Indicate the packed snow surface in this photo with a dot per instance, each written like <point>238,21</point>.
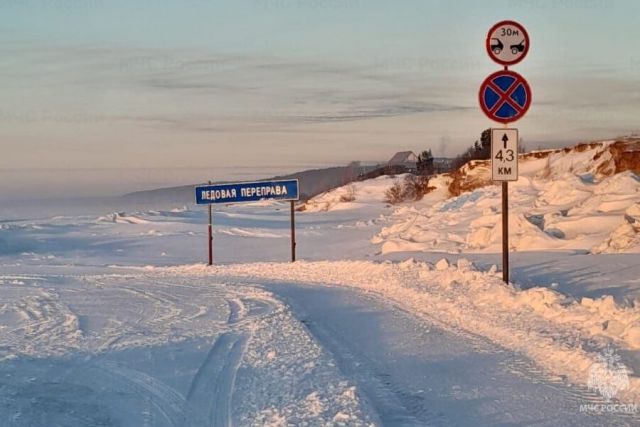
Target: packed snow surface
<point>141,350</point>
<point>550,328</point>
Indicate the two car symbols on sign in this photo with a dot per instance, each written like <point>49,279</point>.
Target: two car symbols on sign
<point>497,46</point>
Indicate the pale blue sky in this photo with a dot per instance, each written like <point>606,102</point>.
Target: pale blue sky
<point>187,85</point>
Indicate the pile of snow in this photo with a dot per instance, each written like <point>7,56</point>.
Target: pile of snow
<point>563,200</point>
<point>244,232</point>
<point>626,237</point>
<point>570,199</point>
<point>351,196</point>
<point>122,218</point>
<point>588,161</point>
<point>561,334</point>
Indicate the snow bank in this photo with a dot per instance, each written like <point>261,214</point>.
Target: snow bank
<point>243,232</point>
<point>568,212</point>
<point>626,236</point>
<point>568,199</point>
<point>373,192</point>
<point>351,196</point>
<point>122,218</point>
<point>562,335</point>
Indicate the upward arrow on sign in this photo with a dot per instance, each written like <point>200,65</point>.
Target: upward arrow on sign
<point>505,139</point>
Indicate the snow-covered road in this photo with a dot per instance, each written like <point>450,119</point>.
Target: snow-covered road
<point>145,351</point>
<point>179,350</point>
<point>414,373</point>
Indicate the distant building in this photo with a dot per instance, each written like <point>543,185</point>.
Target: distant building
<point>406,159</point>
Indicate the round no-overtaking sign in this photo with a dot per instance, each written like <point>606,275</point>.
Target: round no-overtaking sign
<point>507,42</point>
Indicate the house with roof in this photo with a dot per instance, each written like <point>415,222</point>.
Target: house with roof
<point>404,159</point>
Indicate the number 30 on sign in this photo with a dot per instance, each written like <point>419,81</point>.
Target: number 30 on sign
<point>504,154</point>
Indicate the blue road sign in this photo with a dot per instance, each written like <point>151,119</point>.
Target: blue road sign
<point>505,96</point>
<point>247,192</point>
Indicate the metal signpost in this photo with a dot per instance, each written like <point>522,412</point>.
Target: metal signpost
<point>242,192</point>
<point>505,96</point>
<point>210,233</point>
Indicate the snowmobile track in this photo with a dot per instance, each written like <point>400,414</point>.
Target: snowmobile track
<point>209,398</point>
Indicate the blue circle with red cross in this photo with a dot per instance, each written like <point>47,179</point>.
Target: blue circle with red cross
<point>505,96</point>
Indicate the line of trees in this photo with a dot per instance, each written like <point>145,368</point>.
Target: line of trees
<point>480,150</point>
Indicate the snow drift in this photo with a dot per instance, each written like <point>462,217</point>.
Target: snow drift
<point>586,198</point>
<point>122,218</point>
<point>350,196</point>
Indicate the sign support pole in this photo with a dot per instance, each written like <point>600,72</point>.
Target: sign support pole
<point>293,232</point>
<point>505,225</point>
<point>210,239</point>
<point>505,231</point>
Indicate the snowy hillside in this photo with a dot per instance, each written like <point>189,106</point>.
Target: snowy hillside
<point>586,198</point>
<point>351,196</point>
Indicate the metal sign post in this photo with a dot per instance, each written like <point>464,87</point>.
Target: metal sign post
<point>293,232</point>
<point>505,96</point>
<point>210,234</point>
<point>283,190</point>
<point>504,168</point>
<point>505,231</point>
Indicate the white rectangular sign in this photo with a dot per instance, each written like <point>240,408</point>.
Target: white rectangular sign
<point>504,154</point>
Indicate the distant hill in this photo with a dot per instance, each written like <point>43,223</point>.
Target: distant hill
<point>312,182</point>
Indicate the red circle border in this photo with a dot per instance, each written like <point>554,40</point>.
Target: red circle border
<point>524,109</point>
<point>526,47</point>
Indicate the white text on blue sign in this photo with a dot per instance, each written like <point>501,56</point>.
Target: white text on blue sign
<point>247,192</point>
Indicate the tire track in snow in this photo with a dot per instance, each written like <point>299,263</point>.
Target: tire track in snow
<point>243,310</point>
<point>237,311</point>
<point>378,390</point>
<point>164,305</point>
<point>209,398</point>
<point>516,363</point>
<point>520,365</point>
<point>167,401</point>
<point>44,321</point>
<point>210,395</point>
<point>446,381</point>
